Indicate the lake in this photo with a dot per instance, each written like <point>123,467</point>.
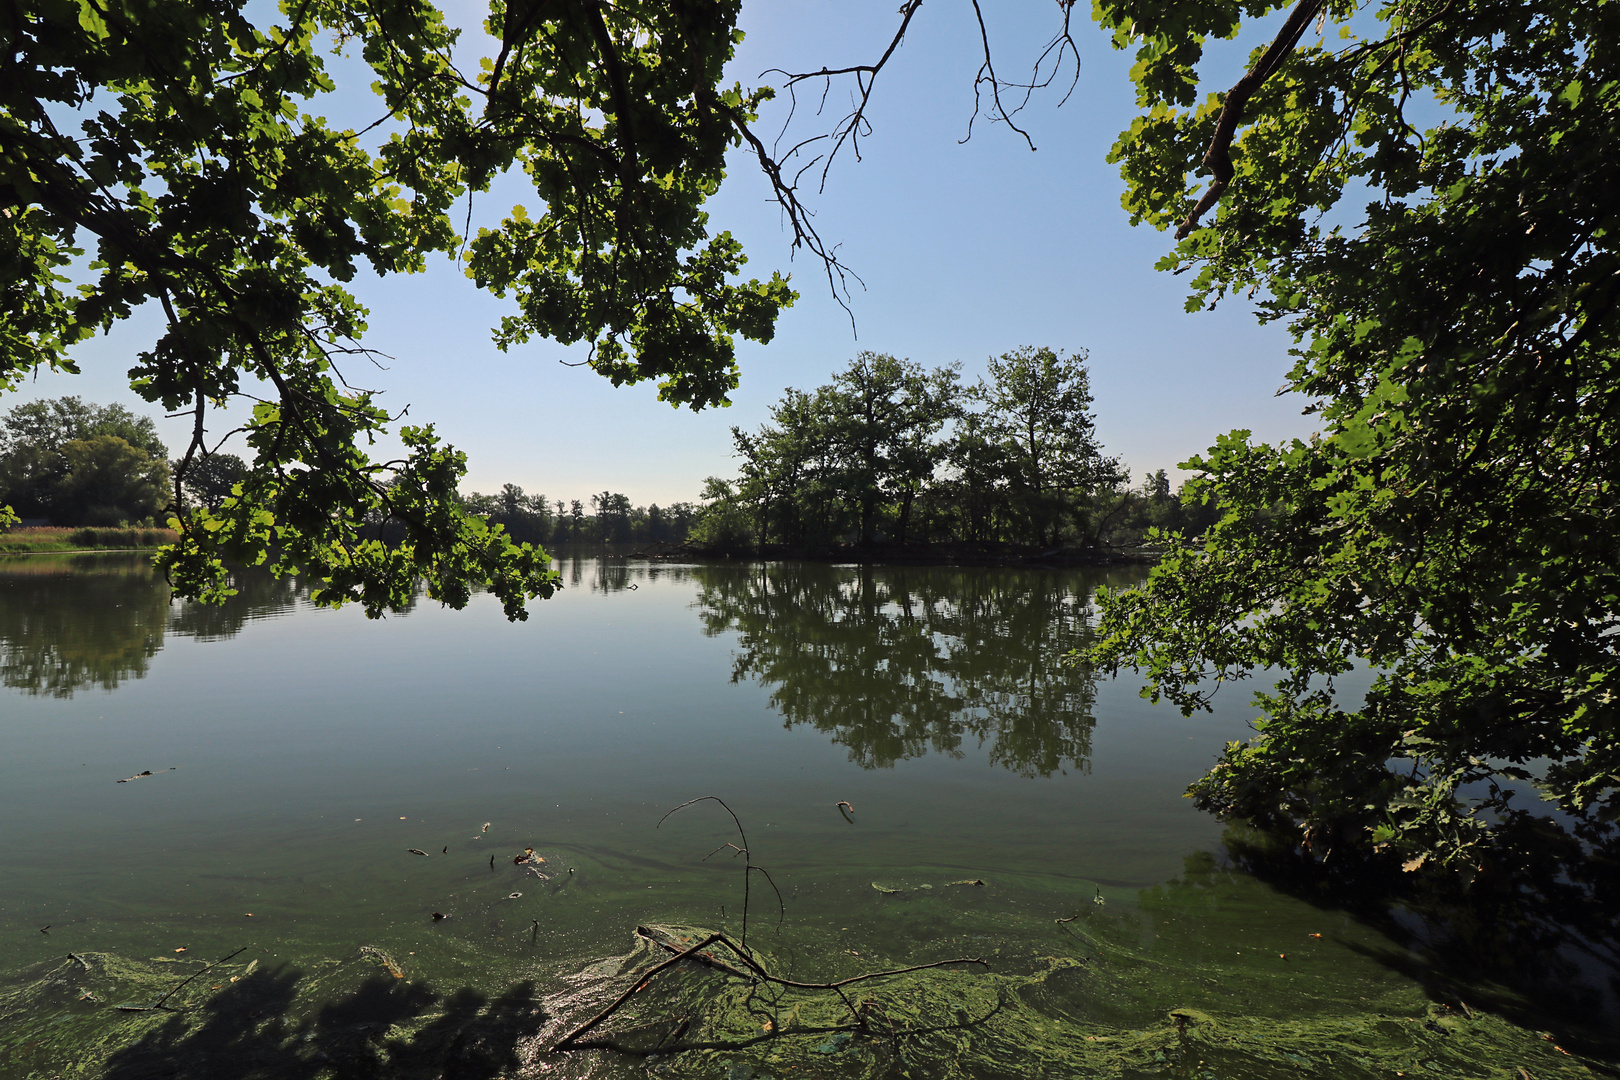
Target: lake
<point>920,770</point>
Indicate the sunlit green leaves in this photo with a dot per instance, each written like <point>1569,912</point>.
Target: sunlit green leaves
<point>197,173</point>
<point>1430,209</point>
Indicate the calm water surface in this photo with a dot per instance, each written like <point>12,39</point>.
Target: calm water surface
<point>297,754</point>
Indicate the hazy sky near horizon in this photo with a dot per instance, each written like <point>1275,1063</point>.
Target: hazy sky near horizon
<point>967,250</point>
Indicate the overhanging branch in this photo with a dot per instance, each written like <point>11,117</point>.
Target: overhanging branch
<point>1218,158</point>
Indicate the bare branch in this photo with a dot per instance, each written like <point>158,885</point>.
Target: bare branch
<point>672,1044</point>
<point>854,124</point>
<point>1062,44</point>
<point>568,1040</point>
<point>798,216</point>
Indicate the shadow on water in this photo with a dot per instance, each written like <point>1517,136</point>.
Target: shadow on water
<point>247,1031</point>
<point>1539,945</point>
<point>285,1023</point>
<point>898,663</point>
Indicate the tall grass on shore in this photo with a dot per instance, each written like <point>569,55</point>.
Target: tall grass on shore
<point>68,538</point>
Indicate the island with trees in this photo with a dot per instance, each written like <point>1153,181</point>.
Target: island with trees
<point>894,461</point>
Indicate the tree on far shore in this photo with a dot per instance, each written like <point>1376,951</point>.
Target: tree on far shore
<point>77,463</point>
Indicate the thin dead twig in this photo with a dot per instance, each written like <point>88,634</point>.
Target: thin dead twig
<point>848,131</point>
<point>760,970</point>
<point>748,863</point>
<point>674,1046</point>
<point>1062,44</point>
<point>158,1004</point>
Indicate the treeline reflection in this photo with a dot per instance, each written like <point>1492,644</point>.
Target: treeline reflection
<point>895,663</point>
<point>615,574</point>
<point>77,622</point>
<point>70,623</point>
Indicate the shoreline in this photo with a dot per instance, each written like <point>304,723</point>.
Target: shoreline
<point>951,554</point>
<point>75,551</point>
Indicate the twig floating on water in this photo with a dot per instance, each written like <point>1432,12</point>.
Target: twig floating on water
<point>158,1004</point>
<point>735,851</point>
<point>147,772</point>
<point>748,864</point>
<point>419,851</point>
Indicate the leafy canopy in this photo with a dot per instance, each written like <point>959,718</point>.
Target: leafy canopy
<point>176,155</point>
<point>889,442</point>
<point>1426,193</point>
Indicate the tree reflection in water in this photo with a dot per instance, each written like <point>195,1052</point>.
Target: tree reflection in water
<point>69,623</point>
<point>259,595</point>
<point>895,662</point>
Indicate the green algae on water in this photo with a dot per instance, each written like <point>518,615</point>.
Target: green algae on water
<point>1102,1009</point>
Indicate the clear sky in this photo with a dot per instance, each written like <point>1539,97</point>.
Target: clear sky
<point>967,250</point>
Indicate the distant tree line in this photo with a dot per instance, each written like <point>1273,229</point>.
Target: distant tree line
<point>892,452</point>
<point>610,519</point>
<point>887,453</point>
<point>71,462</point>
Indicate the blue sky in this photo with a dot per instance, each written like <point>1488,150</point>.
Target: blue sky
<point>967,250</point>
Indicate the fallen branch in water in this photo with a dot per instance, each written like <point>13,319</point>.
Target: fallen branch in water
<point>571,1037</point>
<point>760,971</point>
<point>755,972</point>
<point>671,1044</point>
<point>748,860</point>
